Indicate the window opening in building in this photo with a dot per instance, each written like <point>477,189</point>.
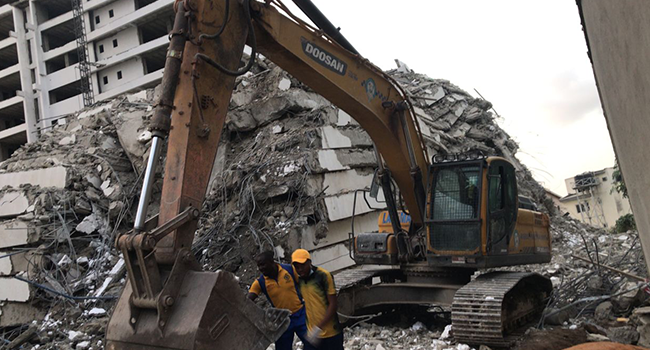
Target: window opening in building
<point>114,42</point>
<point>583,207</point>
<point>604,178</point>
<point>105,80</point>
<point>119,74</point>
<point>101,48</point>
<point>111,13</point>
<point>96,19</point>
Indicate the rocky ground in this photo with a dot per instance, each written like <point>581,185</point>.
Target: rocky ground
<point>266,193</point>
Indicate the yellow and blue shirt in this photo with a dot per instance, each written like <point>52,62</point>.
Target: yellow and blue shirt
<point>282,292</point>
<point>314,290</point>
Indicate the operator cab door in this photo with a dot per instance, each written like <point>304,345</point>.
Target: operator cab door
<point>502,206</point>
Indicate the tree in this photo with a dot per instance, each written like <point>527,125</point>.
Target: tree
<point>618,184</point>
<point>625,223</point>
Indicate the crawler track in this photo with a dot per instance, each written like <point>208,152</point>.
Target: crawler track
<point>492,309</point>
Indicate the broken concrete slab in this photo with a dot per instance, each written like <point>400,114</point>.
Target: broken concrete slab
<point>138,96</point>
<point>95,111</point>
<point>437,94</point>
<point>340,206</point>
<point>346,181</point>
<point>241,98</point>
<point>16,314</point>
<point>424,127</point>
<point>473,114</point>
<point>333,258</point>
<point>130,125</point>
<point>328,160</point>
<point>333,138</point>
<point>12,262</point>
<point>12,204</point>
<point>12,289</point>
<point>47,177</point>
<point>450,118</point>
<point>17,233</point>
<point>68,140</point>
<point>442,125</point>
<point>343,159</point>
<point>92,223</point>
<point>344,119</point>
<point>241,120</point>
<point>338,231</point>
<point>460,131</point>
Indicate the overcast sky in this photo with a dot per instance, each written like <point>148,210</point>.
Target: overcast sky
<point>529,58</point>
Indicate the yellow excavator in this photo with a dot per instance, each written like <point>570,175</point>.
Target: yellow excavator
<point>464,210</point>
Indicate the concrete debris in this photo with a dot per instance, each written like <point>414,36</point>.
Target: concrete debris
<point>57,228</point>
<point>18,314</point>
<point>371,336</point>
<point>624,335</point>
<point>284,177</point>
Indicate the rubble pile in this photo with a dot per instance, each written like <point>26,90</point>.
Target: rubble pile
<point>285,176</point>
<point>64,200</point>
<point>599,282</point>
<point>454,122</point>
<point>367,336</point>
<point>290,161</point>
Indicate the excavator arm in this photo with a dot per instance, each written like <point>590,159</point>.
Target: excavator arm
<point>353,84</point>
<point>168,301</point>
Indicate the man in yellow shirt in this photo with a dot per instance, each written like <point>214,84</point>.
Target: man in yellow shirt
<point>279,282</point>
<point>318,291</point>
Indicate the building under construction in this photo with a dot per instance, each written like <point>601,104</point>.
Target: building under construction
<point>58,56</point>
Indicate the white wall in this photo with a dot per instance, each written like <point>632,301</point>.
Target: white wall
<point>612,203</point>
<point>131,70</point>
<point>125,40</point>
<point>120,8</point>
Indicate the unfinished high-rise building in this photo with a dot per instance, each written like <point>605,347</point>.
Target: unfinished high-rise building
<point>58,56</point>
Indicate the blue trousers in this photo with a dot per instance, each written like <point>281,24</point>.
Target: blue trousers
<point>298,326</point>
<point>331,343</point>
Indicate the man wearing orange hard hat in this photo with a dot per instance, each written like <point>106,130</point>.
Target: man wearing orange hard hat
<point>317,288</point>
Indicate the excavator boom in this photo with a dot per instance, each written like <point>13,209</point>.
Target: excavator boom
<point>168,301</point>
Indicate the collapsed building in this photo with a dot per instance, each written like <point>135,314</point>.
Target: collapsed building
<point>286,173</point>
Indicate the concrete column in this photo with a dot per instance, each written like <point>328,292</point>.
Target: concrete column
<point>25,74</point>
<point>92,57</point>
<point>35,13</point>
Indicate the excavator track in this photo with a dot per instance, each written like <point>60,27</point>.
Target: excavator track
<point>491,309</point>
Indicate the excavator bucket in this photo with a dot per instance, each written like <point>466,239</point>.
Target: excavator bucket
<point>210,312</point>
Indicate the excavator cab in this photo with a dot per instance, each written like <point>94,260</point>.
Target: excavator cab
<point>454,209</point>
<point>474,218</point>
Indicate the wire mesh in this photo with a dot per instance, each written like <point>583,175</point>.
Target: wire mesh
<point>455,201</point>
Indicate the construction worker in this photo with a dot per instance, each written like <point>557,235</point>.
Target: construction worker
<point>279,283</point>
<point>318,291</point>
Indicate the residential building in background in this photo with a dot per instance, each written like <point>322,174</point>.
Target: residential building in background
<point>58,56</point>
<point>592,200</point>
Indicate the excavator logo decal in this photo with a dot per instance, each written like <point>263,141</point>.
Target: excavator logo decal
<point>323,57</point>
<point>371,90</point>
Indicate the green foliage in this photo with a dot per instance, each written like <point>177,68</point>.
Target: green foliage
<point>618,184</point>
<point>625,223</point>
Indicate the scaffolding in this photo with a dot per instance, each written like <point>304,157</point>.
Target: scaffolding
<point>589,203</point>
<point>82,52</point>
